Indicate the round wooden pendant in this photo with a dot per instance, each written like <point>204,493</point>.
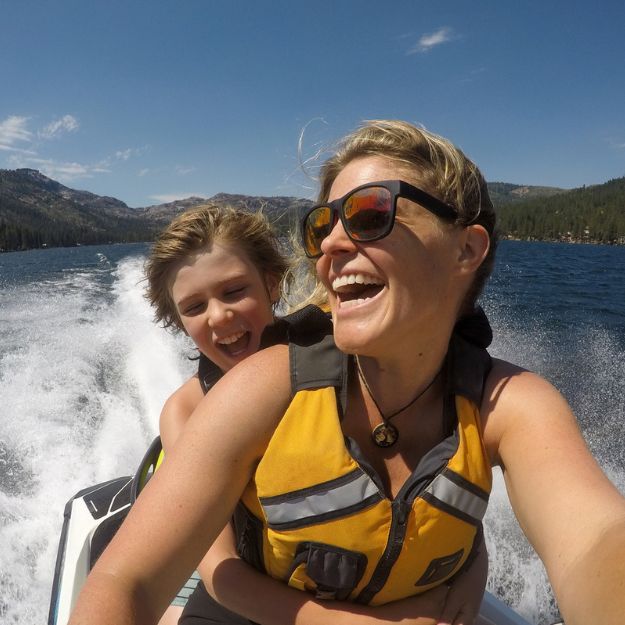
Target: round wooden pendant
<point>384,434</point>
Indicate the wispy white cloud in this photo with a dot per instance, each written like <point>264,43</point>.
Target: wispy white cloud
<point>62,171</point>
<point>473,75</point>
<point>128,153</point>
<point>28,148</point>
<point>143,172</point>
<point>123,155</point>
<point>616,143</point>
<point>14,130</point>
<point>67,123</point>
<point>173,197</point>
<point>183,171</point>
<point>8,148</point>
<point>430,40</point>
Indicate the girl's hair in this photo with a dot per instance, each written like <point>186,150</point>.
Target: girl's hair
<point>437,166</point>
<point>199,228</point>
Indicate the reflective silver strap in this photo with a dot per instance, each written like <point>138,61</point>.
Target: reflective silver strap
<point>457,497</point>
<point>336,496</point>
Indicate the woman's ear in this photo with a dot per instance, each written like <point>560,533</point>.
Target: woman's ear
<point>475,244</point>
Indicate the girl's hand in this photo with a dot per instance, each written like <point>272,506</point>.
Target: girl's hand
<point>464,598</point>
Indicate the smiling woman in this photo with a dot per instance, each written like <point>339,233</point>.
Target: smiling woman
<point>335,498</point>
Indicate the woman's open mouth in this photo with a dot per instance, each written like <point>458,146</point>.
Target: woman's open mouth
<point>355,289</point>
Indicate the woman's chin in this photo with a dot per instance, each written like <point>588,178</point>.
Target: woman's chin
<point>351,341</point>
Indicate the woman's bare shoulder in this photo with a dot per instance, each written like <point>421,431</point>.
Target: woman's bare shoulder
<point>532,434</point>
<point>518,402</point>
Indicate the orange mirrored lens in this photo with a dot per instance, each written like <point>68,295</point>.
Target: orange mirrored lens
<point>369,213</point>
<point>318,227</point>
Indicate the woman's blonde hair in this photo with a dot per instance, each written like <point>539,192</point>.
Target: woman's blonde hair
<point>199,228</point>
<point>438,167</point>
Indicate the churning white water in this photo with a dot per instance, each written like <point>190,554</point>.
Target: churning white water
<point>84,373</point>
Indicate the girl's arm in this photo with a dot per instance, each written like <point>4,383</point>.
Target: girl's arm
<point>267,601</point>
<point>177,410</point>
<point>570,512</point>
<point>190,498</point>
<point>264,600</point>
<point>462,604</point>
<point>174,416</point>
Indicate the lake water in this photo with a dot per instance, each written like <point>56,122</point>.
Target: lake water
<point>84,373</point>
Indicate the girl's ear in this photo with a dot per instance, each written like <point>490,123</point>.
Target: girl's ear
<point>273,288</point>
<point>475,244</point>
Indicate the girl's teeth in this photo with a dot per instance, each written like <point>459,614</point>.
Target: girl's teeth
<point>233,338</point>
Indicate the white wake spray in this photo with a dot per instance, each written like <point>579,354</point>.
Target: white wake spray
<point>84,373</point>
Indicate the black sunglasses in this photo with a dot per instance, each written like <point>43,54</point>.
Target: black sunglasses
<point>366,212</point>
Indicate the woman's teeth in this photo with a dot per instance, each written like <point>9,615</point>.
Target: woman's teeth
<point>354,278</point>
<point>355,289</point>
<point>350,303</point>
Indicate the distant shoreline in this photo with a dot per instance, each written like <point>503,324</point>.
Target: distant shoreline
<point>570,241</point>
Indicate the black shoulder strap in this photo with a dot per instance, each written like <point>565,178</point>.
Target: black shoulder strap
<point>470,363</point>
<point>208,373</point>
<point>315,360</point>
<point>303,327</point>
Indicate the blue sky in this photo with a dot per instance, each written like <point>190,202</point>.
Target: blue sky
<point>148,101</point>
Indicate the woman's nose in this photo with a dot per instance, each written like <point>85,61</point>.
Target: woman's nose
<point>337,241</point>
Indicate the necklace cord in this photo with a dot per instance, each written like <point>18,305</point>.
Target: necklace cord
<point>361,375</point>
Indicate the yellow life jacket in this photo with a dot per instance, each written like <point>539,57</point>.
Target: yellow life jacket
<point>315,513</point>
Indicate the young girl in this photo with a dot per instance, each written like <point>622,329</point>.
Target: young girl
<point>215,273</point>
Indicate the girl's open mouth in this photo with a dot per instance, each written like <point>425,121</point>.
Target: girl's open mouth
<point>235,344</point>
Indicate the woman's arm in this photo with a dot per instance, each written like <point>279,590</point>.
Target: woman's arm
<point>571,513</point>
<point>190,498</point>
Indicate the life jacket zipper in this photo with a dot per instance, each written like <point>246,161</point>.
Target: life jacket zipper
<point>400,510</point>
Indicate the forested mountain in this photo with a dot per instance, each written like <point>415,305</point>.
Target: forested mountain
<point>594,214</point>
<point>36,211</point>
<point>505,192</point>
<point>282,210</point>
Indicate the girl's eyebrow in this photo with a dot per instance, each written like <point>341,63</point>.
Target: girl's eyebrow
<point>219,284</point>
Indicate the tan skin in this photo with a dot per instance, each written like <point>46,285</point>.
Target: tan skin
<point>528,430</point>
<point>218,294</point>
